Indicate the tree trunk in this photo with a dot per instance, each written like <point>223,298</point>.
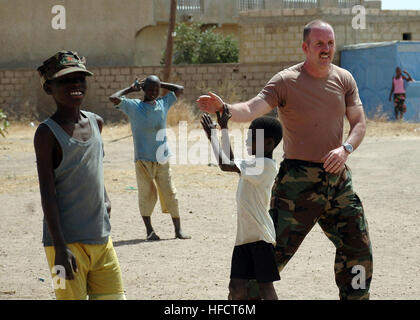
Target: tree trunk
<point>170,42</point>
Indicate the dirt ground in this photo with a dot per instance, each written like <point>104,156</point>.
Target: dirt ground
<point>386,172</point>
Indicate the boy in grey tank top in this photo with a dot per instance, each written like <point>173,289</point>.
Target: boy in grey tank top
<point>69,153</point>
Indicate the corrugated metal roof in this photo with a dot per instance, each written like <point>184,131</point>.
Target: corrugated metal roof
<point>380,44</point>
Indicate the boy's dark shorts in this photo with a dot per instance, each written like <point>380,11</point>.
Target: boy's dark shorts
<point>399,102</point>
<point>254,260</point>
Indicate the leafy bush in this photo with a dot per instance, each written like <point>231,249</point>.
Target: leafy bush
<point>4,124</point>
<point>194,46</point>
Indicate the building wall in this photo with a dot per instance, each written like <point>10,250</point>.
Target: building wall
<point>133,32</point>
<point>213,11</point>
<point>119,40</point>
<point>107,32</point>
<point>102,30</point>
<point>150,42</point>
<point>276,35</point>
<point>21,95</point>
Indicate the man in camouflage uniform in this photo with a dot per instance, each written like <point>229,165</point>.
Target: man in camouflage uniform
<point>305,194</point>
<point>314,184</point>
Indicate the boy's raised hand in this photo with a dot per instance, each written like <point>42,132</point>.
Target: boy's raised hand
<point>207,124</point>
<point>137,85</point>
<point>223,119</point>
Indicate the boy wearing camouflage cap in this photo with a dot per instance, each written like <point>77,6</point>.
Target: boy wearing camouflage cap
<point>69,153</point>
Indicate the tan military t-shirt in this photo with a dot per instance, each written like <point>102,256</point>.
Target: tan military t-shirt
<point>311,110</point>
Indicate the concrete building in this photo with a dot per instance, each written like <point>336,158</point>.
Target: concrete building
<point>108,32</point>
<point>125,39</point>
<point>133,32</point>
<point>276,35</point>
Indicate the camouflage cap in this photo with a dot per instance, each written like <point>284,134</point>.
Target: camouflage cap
<point>62,63</point>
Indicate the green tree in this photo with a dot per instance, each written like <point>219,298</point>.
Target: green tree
<point>230,49</point>
<point>4,124</point>
<point>185,43</point>
<point>193,45</point>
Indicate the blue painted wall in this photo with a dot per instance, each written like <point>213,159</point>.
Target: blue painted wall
<point>373,66</point>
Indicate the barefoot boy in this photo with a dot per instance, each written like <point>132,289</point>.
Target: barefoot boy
<point>69,153</point>
<point>253,255</point>
<point>148,121</point>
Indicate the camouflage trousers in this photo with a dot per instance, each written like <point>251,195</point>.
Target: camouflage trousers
<point>399,102</point>
<point>304,194</point>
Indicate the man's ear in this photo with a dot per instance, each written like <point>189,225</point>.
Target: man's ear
<point>305,47</point>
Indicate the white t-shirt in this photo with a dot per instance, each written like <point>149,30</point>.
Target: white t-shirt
<point>252,198</point>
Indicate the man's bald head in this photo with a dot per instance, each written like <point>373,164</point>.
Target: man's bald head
<point>314,24</point>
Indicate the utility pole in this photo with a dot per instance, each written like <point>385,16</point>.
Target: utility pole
<point>170,42</point>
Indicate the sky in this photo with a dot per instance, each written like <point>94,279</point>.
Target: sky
<point>400,5</point>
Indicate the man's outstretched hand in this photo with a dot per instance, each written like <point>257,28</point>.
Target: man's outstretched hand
<point>210,103</point>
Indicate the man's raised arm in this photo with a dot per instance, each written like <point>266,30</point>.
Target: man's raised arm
<point>241,112</point>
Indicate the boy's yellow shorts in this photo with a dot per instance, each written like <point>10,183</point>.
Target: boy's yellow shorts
<point>155,179</point>
<point>98,277</point>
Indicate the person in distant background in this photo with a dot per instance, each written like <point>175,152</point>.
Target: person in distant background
<point>398,90</point>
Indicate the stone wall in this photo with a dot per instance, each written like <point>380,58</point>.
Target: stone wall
<point>21,95</point>
<point>276,35</point>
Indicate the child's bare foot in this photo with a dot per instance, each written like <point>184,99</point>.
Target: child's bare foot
<point>152,236</point>
<point>180,235</point>
<point>178,231</point>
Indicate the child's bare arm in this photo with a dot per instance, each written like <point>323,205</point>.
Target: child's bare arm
<point>44,143</point>
<point>136,86</point>
<point>392,90</point>
<point>408,78</point>
<point>223,120</point>
<point>107,203</point>
<point>100,123</point>
<point>224,162</point>
<point>177,89</point>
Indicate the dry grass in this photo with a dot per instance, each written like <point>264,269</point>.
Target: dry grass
<point>387,128</point>
<point>18,145</point>
<point>182,111</point>
<point>185,111</point>
<point>228,90</point>
<point>378,125</point>
<point>19,131</point>
<point>383,128</point>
